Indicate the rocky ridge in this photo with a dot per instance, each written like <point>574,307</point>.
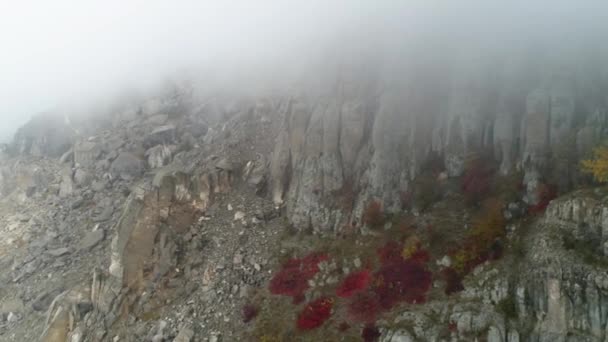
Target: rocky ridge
<point>166,219</point>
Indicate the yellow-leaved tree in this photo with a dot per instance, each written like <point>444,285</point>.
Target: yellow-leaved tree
<point>598,165</point>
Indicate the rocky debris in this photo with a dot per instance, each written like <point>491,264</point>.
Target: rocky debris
<point>67,184</point>
<point>86,154</point>
<point>91,239</point>
<point>82,178</point>
<point>163,135</point>
<point>185,335</point>
<point>44,300</point>
<point>159,156</point>
<point>126,166</point>
<point>224,164</point>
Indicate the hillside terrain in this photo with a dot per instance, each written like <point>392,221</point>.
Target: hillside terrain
<point>382,206</point>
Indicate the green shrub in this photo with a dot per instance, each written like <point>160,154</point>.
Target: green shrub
<point>508,307</point>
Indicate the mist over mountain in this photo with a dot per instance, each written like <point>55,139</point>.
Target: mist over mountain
<point>347,170</point>
<point>69,52</point>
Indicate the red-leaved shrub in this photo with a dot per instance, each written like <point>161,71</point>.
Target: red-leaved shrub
<point>292,279</point>
<point>420,256</point>
<point>353,283</point>
<point>477,179</point>
<point>390,252</point>
<point>400,280</point>
<point>403,280</point>
<point>364,308</point>
<point>546,193</point>
<point>315,314</point>
<point>370,333</point>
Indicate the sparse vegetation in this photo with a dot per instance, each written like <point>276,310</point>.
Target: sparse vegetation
<point>374,215</point>
<point>508,307</point>
<point>426,191</point>
<point>477,179</point>
<point>598,165</point>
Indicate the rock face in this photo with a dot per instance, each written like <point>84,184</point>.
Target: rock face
<point>45,135</point>
<point>86,153</point>
<point>374,147</point>
<point>127,166</point>
<point>188,197</point>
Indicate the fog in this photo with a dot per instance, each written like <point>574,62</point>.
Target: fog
<point>70,51</point>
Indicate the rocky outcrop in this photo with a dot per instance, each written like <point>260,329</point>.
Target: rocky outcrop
<point>44,135</point>
<point>376,145</point>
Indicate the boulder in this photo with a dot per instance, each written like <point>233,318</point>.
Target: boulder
<point>91,239</point>
<point>126,166</point>
<point>66,187</point>
<point>86,153</point>
<point>82,177</point>
<point>159,156</point>
<point>160,135</point>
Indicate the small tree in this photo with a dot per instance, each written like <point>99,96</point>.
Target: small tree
<point>598,165</point>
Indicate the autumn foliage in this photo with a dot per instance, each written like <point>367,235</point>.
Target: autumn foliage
<point>481,244</point>
<point>598,165</point>
<point>292,279</point>
<point>364,308</point>
<point>546,193</point>
<point>477,180</point>
<point>401,281</point>
<point>353,283</point>
<point>315,314</point>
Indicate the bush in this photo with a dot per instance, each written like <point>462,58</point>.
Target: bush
<point>401,281</point>
<point>315,314</point>
<point>292,279</point>
<point>482,243</point>
<point>364,308</point>
<point>373,215</point>
<point>453,281</point>
<point>477,179</point>
<point>598,165</point>
<point>546,193</point>
<point>426,191</point>
<point>353,283</point>
<point>508,307</point>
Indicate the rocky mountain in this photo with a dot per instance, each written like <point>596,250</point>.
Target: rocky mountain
<point>415,203</point>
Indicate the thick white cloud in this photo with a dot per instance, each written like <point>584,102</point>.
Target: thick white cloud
<point>61,51</point>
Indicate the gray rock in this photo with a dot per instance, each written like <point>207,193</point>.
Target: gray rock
<point>186,334</point>
<point>163,135</point>
<point>91,239</point>
<point>13,317</point>
<point>44,135</point>
<point>82,178</point>
<point>126,166</point>
<point>86,153</point>
<point>67,184</point>
<point>159,156</point>
<point>224,164</point>
<point>14,305</point>
<point>58,251</point>
<point>104,214</point>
